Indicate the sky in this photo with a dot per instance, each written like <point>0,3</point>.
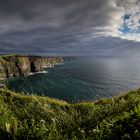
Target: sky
<point>70,27</point>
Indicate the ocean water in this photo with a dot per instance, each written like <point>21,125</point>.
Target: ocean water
<point>83,78</point>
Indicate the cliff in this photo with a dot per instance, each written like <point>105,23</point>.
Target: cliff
<point>15,65</point>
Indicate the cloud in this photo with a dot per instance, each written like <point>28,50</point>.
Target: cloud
<point>131,24</point>
<point>51,13</point>
<point>66,26</point>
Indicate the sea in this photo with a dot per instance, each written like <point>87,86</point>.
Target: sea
<point>82,79</point>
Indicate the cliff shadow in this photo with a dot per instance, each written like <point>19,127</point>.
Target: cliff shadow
<point>32,67</point>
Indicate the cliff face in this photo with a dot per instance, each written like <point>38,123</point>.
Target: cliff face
<point>23,65</point>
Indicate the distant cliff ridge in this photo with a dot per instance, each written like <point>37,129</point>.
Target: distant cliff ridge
<point>15,65</point>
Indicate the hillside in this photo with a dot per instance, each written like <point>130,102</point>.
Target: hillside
<point>43,118</point>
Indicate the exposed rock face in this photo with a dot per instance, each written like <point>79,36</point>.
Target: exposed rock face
<point>23,65</point>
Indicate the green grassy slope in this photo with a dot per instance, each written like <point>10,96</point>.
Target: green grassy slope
<point>43,118</point>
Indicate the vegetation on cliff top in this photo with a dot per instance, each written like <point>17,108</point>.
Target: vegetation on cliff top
<point>8,55</point>
<point>43,118</point>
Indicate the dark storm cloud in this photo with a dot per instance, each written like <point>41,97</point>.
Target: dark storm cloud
<point>59,26</point>
<point>54,13</point>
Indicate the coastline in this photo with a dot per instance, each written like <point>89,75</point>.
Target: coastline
<point>22,65</point>
<point>41,117</point>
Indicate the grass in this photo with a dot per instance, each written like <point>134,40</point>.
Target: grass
<point>7,55</point>
<point>43,118</point>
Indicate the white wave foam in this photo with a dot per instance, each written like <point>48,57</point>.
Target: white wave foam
<point>33,73</point>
